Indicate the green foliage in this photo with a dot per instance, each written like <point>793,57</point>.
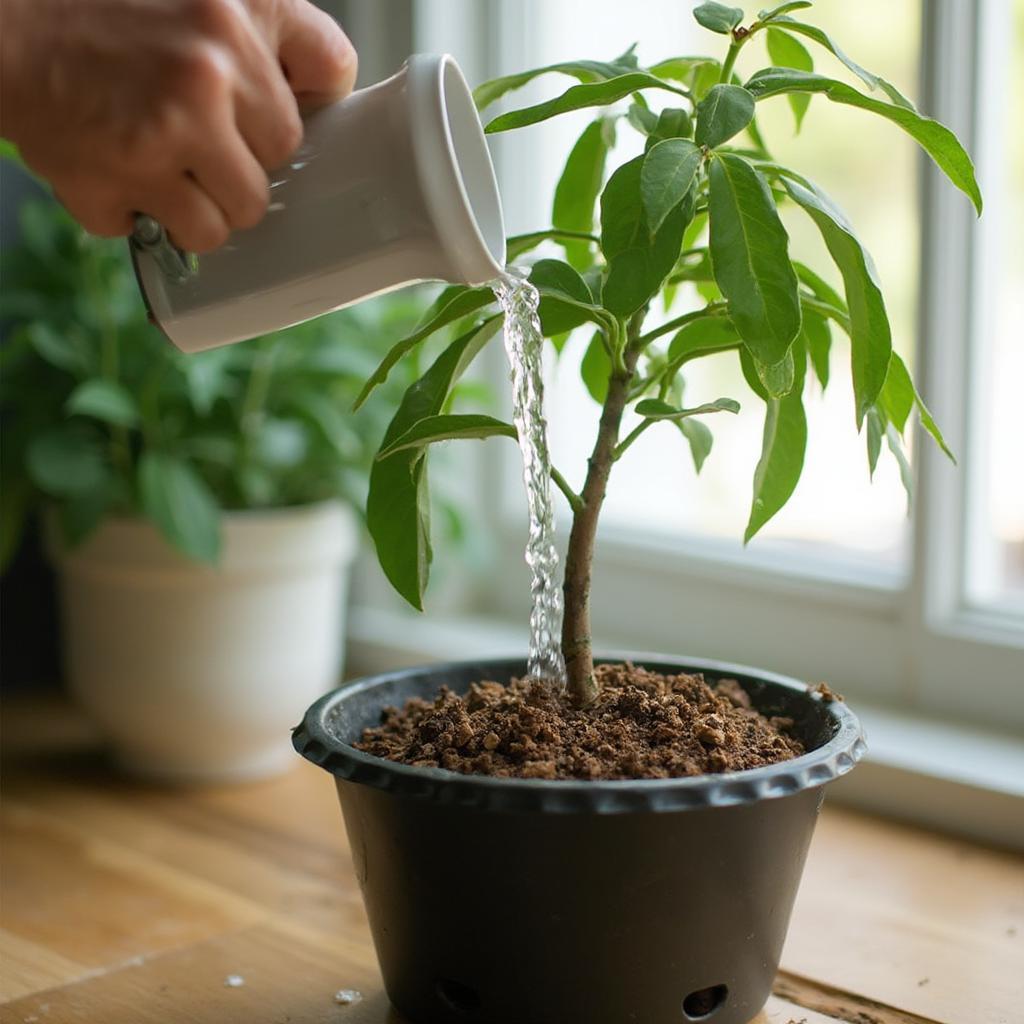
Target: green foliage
<point>103,416</point>
<point>718,17</point>
<point>398,503</point>
<point>700,215</point>
<point>724,112</point>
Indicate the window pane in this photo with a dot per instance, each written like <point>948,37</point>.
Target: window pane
<point>868,166</point>
<point>996,568</point>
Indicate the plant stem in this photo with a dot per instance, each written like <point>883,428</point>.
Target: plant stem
<point>730,59</point>
<point>575,501</point>
<point>711,309</point>
<point>576,637</point>
<point>631,437</point>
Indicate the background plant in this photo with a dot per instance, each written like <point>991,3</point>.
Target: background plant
<point>103,416</point>
<point>699,212</point>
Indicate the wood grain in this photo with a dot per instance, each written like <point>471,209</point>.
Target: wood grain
<point>131,904</point>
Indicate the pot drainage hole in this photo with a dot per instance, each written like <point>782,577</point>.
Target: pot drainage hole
<point>457,997</point>
<point>700,1005</point>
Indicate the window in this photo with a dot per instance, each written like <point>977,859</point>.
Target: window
<point>996,516</point>
<point>923,612</point>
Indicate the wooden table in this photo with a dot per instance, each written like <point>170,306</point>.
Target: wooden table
<point>128,904</point>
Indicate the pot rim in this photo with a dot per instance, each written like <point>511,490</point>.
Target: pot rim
<point>315,741</point>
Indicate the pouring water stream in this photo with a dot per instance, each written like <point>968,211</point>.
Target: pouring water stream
<point>524,345</point>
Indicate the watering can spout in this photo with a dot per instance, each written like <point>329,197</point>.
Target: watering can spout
<point>392,185</point>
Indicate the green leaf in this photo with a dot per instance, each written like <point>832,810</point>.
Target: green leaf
<point>683,69</point>
<point>935,138</point>
<point>783,446</point>
<point>582,70</point>
<point>817,337</point>
<point>717,17</point>
<point>892,439</point>
<point>656,409</point>
<point>565,298</point>
<point>713,333</point>
<point>816,283</point>
<point>672,123</point>
<point>596,94</point>
<point>637,264</point>
<point>81,514</point>
<point>705,78</point>
<point>823,39</point>
<point>462,303</point>
<point>61,350</point>
<point>668,171</point>
<point>578,188</point>
<point>699,438</point>
<point>63,461</point>
<point>596,369</point>
<point>9,151</point>
<point>778,378</point>
<point>642,118</point>
<point>724,112</point>
<point>558,278</point>
<point>874,429</point>
<point>206,375</point>
<point>870,334</point>
<point>104,400</point>
<point>897,395</point>
<point>929,424</point>
<point>454,427</point>
<point>750,255</point>
<point>398,504</point>
<point>329,421</point>
<point>178,501</point>
<point>787,52</point>
<point>516,245</point>
<point>792,5</point>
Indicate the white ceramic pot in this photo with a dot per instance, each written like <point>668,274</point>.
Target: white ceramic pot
<point>197,673</point>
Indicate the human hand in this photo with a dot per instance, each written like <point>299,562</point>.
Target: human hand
<point>175,108</point>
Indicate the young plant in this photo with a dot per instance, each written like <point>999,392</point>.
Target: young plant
<point>700,206</point>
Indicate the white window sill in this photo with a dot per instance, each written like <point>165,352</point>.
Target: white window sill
<point>937,774</point>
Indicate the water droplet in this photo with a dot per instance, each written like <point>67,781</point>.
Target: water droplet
<point>234,981</point>
<point>348,996</point>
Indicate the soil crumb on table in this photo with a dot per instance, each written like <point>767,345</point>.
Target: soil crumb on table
<point>643,725</point>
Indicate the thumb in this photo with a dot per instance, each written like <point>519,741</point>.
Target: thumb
<point>318,60</point>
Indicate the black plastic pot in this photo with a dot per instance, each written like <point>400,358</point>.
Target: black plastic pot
<point>514,901</point>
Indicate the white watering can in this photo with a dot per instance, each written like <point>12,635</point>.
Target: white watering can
<point>392,185</point>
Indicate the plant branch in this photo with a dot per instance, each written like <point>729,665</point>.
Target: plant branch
<point>711,309</point>
<point>631,437</point>
<point>575,501</point>
<point>730,58</point>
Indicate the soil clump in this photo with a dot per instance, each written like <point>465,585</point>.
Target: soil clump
<point>643,725</point>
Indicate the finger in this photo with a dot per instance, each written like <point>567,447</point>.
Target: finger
<point>226,169</point>
<point>266,112</point>
<point>99,215</point>
<point>193,220</point>
<point>318,60</point>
